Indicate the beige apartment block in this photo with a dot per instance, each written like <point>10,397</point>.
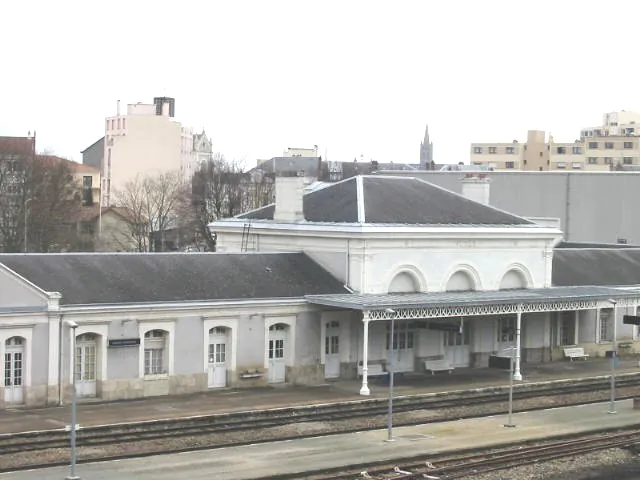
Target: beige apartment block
<point>499,156</point>
<point>615,145</point>
<point>612,152</point>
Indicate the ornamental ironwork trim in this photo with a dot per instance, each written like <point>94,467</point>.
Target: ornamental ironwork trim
<point>414,313</point>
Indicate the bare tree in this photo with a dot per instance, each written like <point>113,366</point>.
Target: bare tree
<point>152,203</point>
<point>216,193</point>
<point>41,191</point>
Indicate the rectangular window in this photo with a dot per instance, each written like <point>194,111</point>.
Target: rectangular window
<point>608,160</point>
<point>577,150</point>
<point>567,325</point>
<point>506,329</point>
<point>492,149</point>
<point>86,228</point>
<point>628,144</point>
<point>593,160</point>
<point>509,165</point>
<point>608,145</point>
<point>606,325</point>
<point>477,149</point>
<point>627,160</point>
<point>593,145</point>
<point>561,150</point>
<point>87,190</point>
<point>510,150</point>
<point>153,361</point>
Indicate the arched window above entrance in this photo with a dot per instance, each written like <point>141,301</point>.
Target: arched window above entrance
<point>14,341</point>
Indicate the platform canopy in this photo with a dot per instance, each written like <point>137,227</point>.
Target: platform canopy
<point>472,303</point>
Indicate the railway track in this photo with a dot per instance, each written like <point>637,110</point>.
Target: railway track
<point>259,420</point>
<point>468,465</point>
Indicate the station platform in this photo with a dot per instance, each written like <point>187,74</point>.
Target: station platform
<point>291,457</point>
<point>94,412</point>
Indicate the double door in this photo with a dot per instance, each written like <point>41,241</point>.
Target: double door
<point>14,373</point>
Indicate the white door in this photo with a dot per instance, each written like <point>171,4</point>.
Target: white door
<point>456,347</point>
<point>277,351</point>
<point>14,370</point>
<point>86,366</point>
<point>401,353</point>
<point>332,350</point>
<point>217,357</point>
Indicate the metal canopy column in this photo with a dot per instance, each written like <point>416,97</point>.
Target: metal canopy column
<point>365,354</point>
<point>516,373</point>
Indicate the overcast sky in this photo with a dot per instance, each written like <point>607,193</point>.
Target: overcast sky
<point>353,77</point>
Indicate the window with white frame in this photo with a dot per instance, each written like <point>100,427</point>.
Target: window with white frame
<point>606,325</point>
<point>155,346</point>
<point>506,329</point>
<point>402,336</point>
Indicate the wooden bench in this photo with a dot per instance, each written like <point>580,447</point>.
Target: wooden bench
<point>575,352</point>
<point>440,365</point>
<point>373,370</point>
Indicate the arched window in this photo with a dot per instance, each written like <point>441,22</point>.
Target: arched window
<point>460,282</point>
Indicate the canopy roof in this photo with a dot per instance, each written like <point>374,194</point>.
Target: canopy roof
<point>446,304</point>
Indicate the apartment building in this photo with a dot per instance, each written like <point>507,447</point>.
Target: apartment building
<point>615,145</point>
<point>147,140</point>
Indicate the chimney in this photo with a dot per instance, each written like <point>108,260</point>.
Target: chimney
<point>476,187</point>
<point>289,193</point>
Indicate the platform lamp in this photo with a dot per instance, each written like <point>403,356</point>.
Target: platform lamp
<point>614,354</point>
<point>390,368</point>
<point>72,466</point>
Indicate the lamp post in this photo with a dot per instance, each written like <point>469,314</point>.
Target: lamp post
<point>72,466</point>
<point>614,354</point>
<point>390,368</point>
<point>511,361</point>
<point>26,217</point>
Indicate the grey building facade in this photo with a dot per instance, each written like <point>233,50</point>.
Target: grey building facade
<point>599,207</point>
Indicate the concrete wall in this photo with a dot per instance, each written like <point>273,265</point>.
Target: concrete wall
<point>592,206</point>
<point>15,293</point>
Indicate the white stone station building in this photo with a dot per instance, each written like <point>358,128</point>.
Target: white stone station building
<point>304,290</point>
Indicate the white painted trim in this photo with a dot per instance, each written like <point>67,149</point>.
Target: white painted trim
<point>167,325</point>
<point>180,306</point>
<point>360,199</point>
<point>27,334</point>
<point>289,320</point>
<point>330,229</point>
<point>232,325</point>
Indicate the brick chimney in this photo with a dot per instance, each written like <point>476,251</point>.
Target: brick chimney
<point>289,193</point>
<point>476,187</point>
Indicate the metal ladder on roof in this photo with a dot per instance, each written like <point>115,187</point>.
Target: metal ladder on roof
<point>246,228</point>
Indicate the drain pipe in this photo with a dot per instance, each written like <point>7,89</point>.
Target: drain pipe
<point>60,360</point>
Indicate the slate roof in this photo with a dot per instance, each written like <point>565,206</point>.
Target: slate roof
<point>394,200</point>
<point>596,266</point>
<point>157,277</point>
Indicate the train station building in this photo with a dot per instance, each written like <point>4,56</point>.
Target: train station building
<point>307,290</point>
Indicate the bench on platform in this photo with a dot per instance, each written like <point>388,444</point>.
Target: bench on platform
<point>373,370</point>
<point>440,365</point>
<point>575,352</point>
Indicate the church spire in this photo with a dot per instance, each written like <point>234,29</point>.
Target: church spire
<point>426,151</point>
